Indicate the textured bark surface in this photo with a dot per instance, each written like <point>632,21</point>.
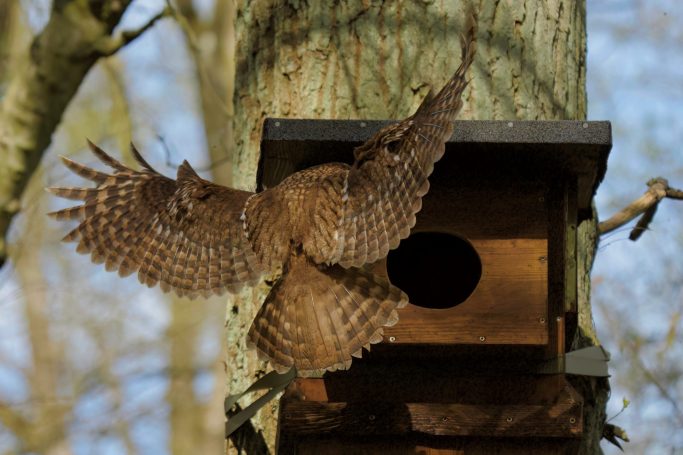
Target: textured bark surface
<point>595,391</point>
<point>374,60</point>
<point>77,34</point>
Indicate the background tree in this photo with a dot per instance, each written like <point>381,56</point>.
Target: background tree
<point>76,35</point>
<point>77,355</point>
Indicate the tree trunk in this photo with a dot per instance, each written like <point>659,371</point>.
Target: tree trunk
<point>46,429</point>
<point>9,37</point>
<point>375,60</point>
<point>212,46</point>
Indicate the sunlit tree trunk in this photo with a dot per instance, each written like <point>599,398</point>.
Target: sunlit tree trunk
<point>212,46</point>
<point>375,60</point>
<point>46,428</point>
<point>9,37</point>
<point>182,336</point>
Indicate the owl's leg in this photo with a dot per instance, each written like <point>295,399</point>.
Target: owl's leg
<point>316,318</point>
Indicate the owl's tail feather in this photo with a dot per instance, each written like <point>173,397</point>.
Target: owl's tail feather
<point>317,318</point>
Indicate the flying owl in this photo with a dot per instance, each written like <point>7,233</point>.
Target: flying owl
<point>317,228</point>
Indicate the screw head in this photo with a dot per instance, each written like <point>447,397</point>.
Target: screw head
<point>277,123</point>
<point>572,420</point>
<point>392,339</point>
<point>508,420</point>
<point>541,320</point>
<point>482,339</point>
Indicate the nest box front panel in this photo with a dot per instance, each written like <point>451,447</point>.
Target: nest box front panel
<point>489,260</point>
<point>476,264</point>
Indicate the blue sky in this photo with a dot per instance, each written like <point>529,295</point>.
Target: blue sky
<point>635,80</point>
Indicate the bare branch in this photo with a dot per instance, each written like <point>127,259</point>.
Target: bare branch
<point>673,193</point>
<point>14,421</point>
<point>613,434</point>
<point>643,222</point>
<point>109,45</point>
<point>658,189</point>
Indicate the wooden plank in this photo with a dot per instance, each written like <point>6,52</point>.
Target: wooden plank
<point>439,419</point>
<point>445,412</point>
<point>557,235</point>
<point>391,384</point>
<point>488,411</point>
<point>483,203</point>
<point>436,446</point>
<point>508,305</point>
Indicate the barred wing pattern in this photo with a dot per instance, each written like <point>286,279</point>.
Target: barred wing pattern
<point>316,227</point>
<point>184,234</point>
<point>304,209</point>
<point>382,192</point>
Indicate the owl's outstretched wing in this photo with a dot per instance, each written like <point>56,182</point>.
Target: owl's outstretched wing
<point>185,234</point>
<point>381,193</point>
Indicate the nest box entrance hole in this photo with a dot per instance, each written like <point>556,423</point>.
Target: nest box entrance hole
<point>437,270</point>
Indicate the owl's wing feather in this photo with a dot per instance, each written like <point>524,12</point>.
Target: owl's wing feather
<point>317,318</point>
<point>382,192</point>
<point>184,234</point>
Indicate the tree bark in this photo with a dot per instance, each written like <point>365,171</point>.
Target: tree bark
<point>77,34</point>
<point>375,60</point>
<point>595,391</point>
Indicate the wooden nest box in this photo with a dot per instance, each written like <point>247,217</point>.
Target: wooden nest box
<point>476,362</point>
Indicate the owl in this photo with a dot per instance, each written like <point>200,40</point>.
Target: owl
<point>316,230</point>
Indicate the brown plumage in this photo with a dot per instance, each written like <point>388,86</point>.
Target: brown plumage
<point>316,227</point>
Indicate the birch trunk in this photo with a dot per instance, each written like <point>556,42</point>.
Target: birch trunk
<point>376,60</point>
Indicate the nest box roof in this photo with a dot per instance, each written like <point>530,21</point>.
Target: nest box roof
<point>548,148</point>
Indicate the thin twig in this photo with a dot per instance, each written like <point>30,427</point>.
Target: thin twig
<point>195,50</point>
<point>110,45</point>
<point>173,165</point>
<point>673,193</point>
<point>613,434</point>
